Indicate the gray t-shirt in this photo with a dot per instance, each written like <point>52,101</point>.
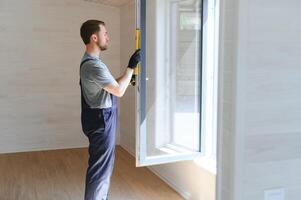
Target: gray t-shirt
<point>94,76</point>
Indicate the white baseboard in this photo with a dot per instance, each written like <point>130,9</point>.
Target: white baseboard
<point>184,194</point>
<point>49,148</point>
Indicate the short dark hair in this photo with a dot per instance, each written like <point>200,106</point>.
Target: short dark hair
<point>88,28</point>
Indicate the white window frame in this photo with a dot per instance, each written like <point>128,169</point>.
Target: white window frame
<point>207,157</point>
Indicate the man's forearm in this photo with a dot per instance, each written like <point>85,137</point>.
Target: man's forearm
<point>125,79</point>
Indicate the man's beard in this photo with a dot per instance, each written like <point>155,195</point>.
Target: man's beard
<point>102,48</point>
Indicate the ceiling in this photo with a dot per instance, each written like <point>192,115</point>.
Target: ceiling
<point>115,3</point>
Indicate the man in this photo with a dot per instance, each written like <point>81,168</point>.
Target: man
<point>99,109</point>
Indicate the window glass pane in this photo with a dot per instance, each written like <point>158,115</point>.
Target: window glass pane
<point>185,49</point>
<point>172,87</point>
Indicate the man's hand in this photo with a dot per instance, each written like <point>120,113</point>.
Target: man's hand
<point>135,59</point>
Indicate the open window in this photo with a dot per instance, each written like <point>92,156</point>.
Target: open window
<point>169,98</point>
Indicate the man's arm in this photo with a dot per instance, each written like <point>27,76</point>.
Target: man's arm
<point>118,89</point>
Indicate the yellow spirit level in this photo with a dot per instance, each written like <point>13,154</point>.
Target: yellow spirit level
<point>137,46</point>
<point>137,42</point>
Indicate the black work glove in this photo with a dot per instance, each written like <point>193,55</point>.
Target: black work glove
<point>135,59</point>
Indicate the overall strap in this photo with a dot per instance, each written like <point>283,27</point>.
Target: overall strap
<point>86,60</point>
<point>83,101</point>
<point>83,62</point>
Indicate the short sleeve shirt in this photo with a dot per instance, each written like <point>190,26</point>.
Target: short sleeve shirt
<point>94,76</point>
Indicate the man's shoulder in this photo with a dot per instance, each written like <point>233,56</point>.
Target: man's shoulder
<point>89,62</point>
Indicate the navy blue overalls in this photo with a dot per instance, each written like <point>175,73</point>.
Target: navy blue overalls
<point>99,125</point>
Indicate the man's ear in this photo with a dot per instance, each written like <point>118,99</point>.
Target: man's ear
<point>93,38</point>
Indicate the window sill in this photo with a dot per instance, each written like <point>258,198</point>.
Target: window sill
<point>207,162</point>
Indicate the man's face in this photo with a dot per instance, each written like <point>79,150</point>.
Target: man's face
<point>103,38</point>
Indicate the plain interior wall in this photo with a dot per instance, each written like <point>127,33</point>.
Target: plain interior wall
<point>269,98</point>
<point>226,167</point>
<point>127,103</point>
<point>188,178</point>
<point>40,54</point>
<point>266,116</point>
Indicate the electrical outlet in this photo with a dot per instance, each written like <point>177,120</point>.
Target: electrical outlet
<point>274,194</point>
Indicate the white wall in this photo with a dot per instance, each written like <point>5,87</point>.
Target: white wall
<point>270,97</point>
<point>226,106</point>
<point>127,104</point>
<point>187,178</point>
<point>266,135</point>
<point>40,53</point>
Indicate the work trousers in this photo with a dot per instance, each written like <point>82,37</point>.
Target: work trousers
<point>99,125</point>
